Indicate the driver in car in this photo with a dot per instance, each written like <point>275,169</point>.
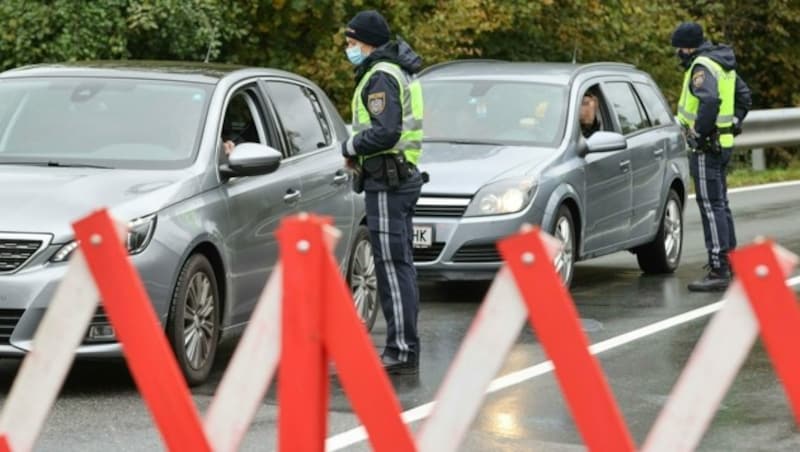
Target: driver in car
<point>590,121</point>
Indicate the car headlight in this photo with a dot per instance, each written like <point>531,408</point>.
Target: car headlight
<point>502,197</point>
<point>140,232</point>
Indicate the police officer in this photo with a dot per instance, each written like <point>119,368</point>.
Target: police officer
<point>714,101</point>
<point>385,148</point>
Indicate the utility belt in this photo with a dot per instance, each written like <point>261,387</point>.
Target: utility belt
<point>709,144</point>
<point>390,169</point>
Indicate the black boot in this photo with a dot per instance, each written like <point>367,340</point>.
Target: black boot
<point>716,280</point>
<point>397,367</point>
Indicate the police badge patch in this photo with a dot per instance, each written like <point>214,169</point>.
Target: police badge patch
<point>376,102</point>
<point>698,78</point>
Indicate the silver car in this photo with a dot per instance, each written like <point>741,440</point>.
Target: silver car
<point>146,141</point>
<point>503,146</point>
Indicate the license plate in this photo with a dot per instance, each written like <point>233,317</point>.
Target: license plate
<point>423,236</point>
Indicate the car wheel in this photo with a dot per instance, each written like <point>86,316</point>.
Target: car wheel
<point>362,278</point>
<point>663,254</point>
<point>193,325</point>
<point>564,231</point>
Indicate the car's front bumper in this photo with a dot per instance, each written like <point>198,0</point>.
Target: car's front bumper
<point>464,248</point>
<point>25,296</point>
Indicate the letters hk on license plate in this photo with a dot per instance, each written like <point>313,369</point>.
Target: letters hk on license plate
<point>423,236</point>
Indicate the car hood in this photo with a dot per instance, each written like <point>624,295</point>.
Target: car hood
<point>462,169</point>
<point>48,200</point>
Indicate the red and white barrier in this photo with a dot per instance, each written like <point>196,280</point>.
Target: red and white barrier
<point>527,288</point>
<point>759,296</point>
<point>43,371</point>
<point>306,318</point>
<point>147,352</point>
<point>320,317</point>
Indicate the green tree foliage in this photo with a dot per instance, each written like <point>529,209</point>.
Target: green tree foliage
<point>306,36</point>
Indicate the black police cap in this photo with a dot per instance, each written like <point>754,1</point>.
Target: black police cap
<point>688,35</point>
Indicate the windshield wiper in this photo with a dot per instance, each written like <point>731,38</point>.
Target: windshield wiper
<point>463,141</point>
<point>56,164</point>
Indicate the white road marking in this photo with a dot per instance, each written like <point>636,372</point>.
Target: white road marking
<point>791,183</point>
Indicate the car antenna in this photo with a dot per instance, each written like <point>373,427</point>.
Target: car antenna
<point>208,52</point>
<point>575,53</point>
<point>211,37</point>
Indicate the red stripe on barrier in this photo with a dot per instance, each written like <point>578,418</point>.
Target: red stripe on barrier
<point>775,306</point>
<point>318,315</point>
<point>147,352</point>
<point>555,320</point>
<point>4,447</point>
<point>360,371</point>
<point>303,377</point>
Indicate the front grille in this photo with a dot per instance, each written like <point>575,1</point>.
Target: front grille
<point>477,253</point>
<point>440,211</point>
<point>15,253</point>
<point>100,317</point>
<point>8,321</point>
<point>438,206</point>
<point>428,254</point>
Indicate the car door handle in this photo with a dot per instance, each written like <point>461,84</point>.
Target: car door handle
<point>658,152</point>
<point>291,196</point>
<point>340,177</point>
<point>625,165</point>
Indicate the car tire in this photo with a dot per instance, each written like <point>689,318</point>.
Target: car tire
<point>193,326</point>
<point>363,279</point>
<point>663,254</point>
<point>564,230</point>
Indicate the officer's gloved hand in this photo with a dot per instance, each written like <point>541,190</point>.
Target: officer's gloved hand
<point>691,138</point>
<point>737,126</point>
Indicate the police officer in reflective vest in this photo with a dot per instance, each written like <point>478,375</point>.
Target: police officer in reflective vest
<point>385,148</point>
<point>714,101</point>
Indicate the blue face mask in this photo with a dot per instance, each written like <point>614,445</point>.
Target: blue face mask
<point>354,55</point>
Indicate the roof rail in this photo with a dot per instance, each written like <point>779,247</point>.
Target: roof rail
<point>442,65</point>
<point>581,67</point>
<point>599,64</point>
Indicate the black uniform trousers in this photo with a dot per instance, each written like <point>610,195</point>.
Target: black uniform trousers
<point>709,171</point>
<point>389,219</point>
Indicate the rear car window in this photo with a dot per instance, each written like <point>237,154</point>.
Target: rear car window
<point>654,105</point>
<point>302,117</point>
<point>626,107</point>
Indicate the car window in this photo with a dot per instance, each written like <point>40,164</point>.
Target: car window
<point>601,112</point>
<point>301,116</point>
<point>626,107</point>
<point>241,120</point>
<point>116,122</point>
<point>509,112</point>
<point>654,106</point>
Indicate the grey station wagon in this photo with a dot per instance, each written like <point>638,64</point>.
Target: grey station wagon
<point>504,146</point>
<point>146,140</point>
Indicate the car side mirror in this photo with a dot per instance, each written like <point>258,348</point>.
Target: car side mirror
<point>605,142</point>
<point>251,159</point>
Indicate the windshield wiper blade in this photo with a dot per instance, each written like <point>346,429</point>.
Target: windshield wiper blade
<point>463,141</point>
<point>56,164</point>
<point>76,165</point>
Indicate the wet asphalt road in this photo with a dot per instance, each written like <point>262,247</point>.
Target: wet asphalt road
<point>100,410</point>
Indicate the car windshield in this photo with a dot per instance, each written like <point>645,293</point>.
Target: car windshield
<point>117,123</point>
<point>494,112</point>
